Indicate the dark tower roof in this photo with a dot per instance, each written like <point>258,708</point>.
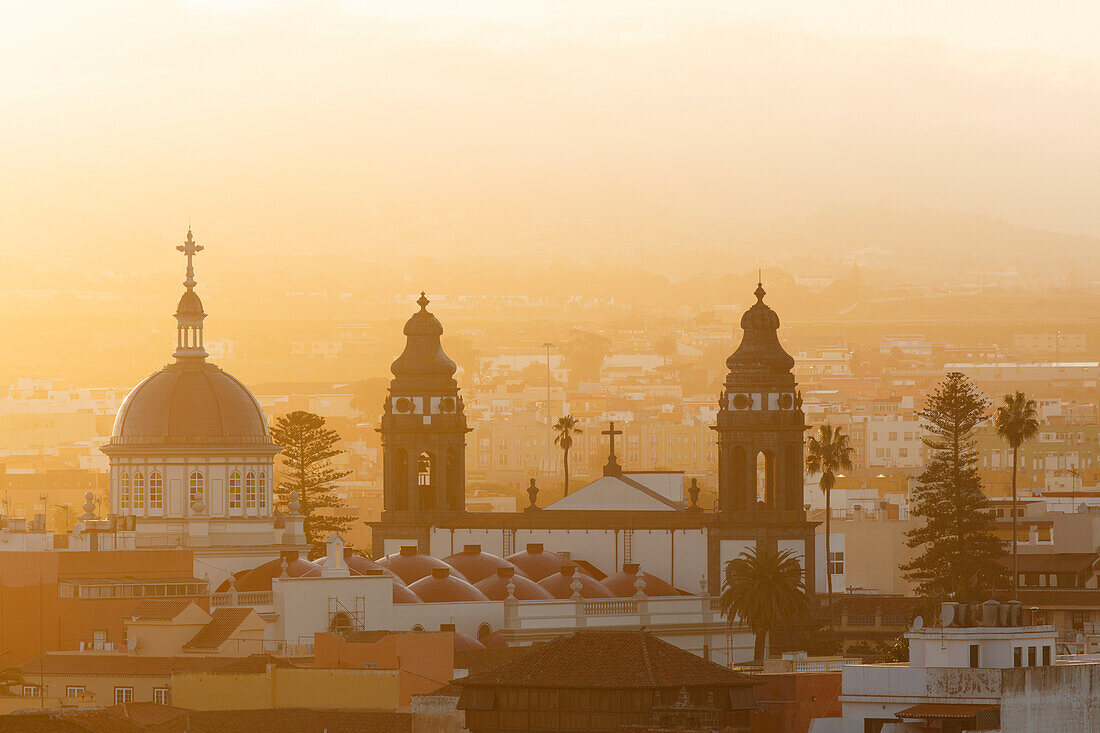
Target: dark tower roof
<point>423,355</point>
<point>760,348</point>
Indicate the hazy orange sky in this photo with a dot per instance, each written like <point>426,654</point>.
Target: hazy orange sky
<point>372,126</point>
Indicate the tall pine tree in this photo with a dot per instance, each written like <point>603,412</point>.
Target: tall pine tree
<point>960,556</point>
<point>308,449</point>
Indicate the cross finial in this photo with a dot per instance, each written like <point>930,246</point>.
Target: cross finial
<point>190,249</point>
<point>612,466</point>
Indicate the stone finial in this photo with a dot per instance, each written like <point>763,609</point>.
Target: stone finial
<point>693,493</point>
<point>199,507</point>
<point>511,588</point>
<point>533,493</point>
<point>576,586</point>
<point>283,564</point>
<point>294,507</point>
<point>639,584</point>
<point>89,506</point>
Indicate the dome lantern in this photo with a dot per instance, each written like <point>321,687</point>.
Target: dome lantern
<point>189,312</point>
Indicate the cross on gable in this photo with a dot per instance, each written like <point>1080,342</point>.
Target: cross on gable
<point>612,432</point>
<point>612,466</point>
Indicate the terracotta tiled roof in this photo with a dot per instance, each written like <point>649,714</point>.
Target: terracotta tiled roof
<point>175,720</point>
<point>95,720</point>
<point>161,608</point>
<point>632,659</point>
<point>224,622</point>
<point>1054,562</point>
<point>255,663</point>
<point>123,665</point>
<point>118,664</point>
<point>476,660</point>
<point>288,720</point>
<point>944,710</point>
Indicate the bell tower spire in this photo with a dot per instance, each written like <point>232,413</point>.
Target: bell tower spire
<point>189,312</point>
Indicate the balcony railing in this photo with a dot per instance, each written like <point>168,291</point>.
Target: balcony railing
<point>609,607</point>
<point>247,599</point>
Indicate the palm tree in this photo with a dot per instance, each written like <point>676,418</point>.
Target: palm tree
<point>566,428</point>
<point>765,589</point>
<point>827,454</point>
<point>1017,422</point>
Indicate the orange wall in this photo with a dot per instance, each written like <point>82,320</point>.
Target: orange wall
<point>28,606</point>
<point>33,620</point>
<point>789,701</point>
<point>426,660</point>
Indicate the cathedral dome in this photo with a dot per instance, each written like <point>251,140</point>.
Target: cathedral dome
<point>444,587</point>
<point>535,562</point>
<point>423,355</point>
<point>560,585</point>
<point>465,642</point>
<point>259,578</point>
<point>191,401</point>
<point>411,565</point>
<point>477,565</point>
<point>496,586</point>
<point>357,564</point>
<point>760,347</point>
<point>401,594</point>
<point>623,584</point>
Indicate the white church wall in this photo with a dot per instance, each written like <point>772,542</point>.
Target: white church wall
<point>303,604</point>
<point>652,549</point>
<point>467,616</point>
<point>690,561</point>
<point>394,544</point>
<point>446,542</point>
<point>596,546</point>
<point>729,549</point>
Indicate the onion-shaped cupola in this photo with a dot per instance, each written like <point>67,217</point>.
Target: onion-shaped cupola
<point>423,430</point>
<point>760,348</point>
<point>423,362</point>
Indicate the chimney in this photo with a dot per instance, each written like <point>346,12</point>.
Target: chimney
<point>471,549</point>
<point>506,572</point>
<point>447,627</point>
<point>407,550</point>
<point>631,568</point>
<point>534,548</point>
<point>441,572</point>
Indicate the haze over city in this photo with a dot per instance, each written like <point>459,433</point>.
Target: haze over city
<point>512,366</point>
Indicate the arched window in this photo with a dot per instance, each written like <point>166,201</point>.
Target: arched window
<point>156,491</point>
<point>235,490</point>
<point>262,490</point>
<point>340,623</point>
<point>198,488</point>
<point>483,632</point>
<point>424,470</point>
<point>250,490</point>
<point>418,627</point>
<point>139,491</point>
<point>124,493</point>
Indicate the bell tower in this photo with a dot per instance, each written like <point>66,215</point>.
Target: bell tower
<point>423,429</point>
<point>760,423</point>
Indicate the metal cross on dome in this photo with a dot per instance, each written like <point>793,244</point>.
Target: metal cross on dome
<point>190,249</point>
